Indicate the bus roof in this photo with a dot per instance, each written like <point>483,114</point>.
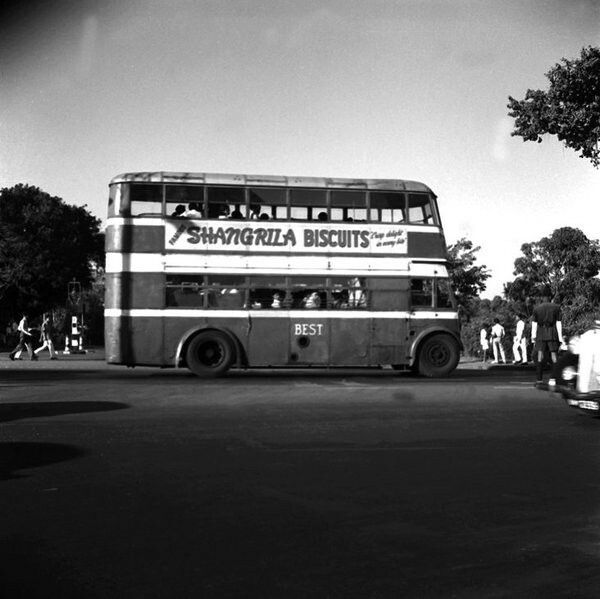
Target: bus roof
<point>269,180</point>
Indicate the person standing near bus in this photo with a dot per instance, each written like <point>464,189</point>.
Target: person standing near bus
<point>520,342</point>
<point>483,341</point>
<point>24,340</point>
<point>497,338</point>
<point>546,335</point>
<point>46,337</point>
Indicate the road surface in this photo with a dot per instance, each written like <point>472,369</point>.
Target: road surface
<point>153,483</point>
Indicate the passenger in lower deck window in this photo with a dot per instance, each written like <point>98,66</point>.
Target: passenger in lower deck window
<point>277,301</point>
<point>230,298</point>
<point>357,297</point>
<point>311,301</point>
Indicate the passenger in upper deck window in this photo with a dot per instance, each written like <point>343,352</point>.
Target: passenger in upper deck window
<point>236,215</point>
<point>218,211</point>
<point>322,216</point>
<point>263,216</point>
<point>194,211</point>
<point>178,212</point>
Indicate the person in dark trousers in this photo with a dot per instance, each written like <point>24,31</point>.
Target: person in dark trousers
<point>546,335</point>
<point>46,337</point>
<point>24,340</point>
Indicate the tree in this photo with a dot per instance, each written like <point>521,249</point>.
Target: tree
<point>570,109</point>
<point>44,244</point>
<point>467,278</point>
<point>566,265</point>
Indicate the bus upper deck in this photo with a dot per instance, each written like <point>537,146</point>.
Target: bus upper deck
<point>379,217</point>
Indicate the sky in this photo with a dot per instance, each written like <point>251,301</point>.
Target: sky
<point>399,89</point>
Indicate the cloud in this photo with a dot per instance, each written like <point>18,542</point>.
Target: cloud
<point>501,139</point>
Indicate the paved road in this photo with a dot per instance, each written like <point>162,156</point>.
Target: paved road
<point>150,483</point>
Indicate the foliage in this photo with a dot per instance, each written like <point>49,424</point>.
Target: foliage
<point>570,109</point>
<point>565,265</point>
<point>93,310</point>
<point>484,312</point>
<point>467,278</point>
<point>44,244</point>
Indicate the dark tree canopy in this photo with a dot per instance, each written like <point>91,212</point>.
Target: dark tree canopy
<point>570,109</point>
<point>565,264</point>
<point>468,279</point>
<point>44,244</point>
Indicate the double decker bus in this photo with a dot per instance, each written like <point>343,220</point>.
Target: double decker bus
<point>217,271</point>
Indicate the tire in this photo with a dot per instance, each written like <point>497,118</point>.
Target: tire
<point>209,354</point>
<point>438,356</point>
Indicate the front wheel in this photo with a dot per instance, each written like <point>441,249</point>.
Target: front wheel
<point>438,356</point>
<point>209,354</point>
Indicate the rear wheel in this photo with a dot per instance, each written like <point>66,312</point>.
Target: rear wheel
<point>438,356</point>
<point>209,354</point>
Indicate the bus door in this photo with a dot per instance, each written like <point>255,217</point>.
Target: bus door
<point>309,324</point>
<point>350,322</point>
<point>268,331</point>
<point>389,303</point>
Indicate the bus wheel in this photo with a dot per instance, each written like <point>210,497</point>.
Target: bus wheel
<point>209,354</point>
<point>438,356</point>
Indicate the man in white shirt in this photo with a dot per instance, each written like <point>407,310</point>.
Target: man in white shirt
<point>520,342</point>
<point>497,337</point>
<point>24,341</point>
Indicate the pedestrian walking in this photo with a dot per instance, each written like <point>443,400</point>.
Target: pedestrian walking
<point>46,337</point>
<point>546,334</point>
<point>24,340</point>
<point>520,342</point>
<point>497,337</point>
<point>483,341</point>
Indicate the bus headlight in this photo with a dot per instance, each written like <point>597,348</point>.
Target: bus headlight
<point>569,373</point>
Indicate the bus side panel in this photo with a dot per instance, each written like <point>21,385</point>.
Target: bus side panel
<point>309,339</point>
<point>268,341</point>
<point>426,244</point>
<point>130,238</point>
<point>127,290</point>
<point>133,340</point>
<point>441,323</point>
<point>350,341</point>
<point>178,328</point>
<point>388,341</point>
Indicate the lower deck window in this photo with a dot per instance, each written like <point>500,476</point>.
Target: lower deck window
<point>235,292</point>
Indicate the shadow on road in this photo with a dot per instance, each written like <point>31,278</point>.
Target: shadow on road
<point>19,411</point>
<point>18,456</point>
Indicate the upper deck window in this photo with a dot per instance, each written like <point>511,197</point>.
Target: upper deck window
<point>348,206</point>
<point>421,209</point>
<point>387,207</point>
<point>308,204</point>
<point>222,202</point>
<point>268,203</point>
<point>136,199</point>
<point>145,199</point>
<point>184,200</point>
